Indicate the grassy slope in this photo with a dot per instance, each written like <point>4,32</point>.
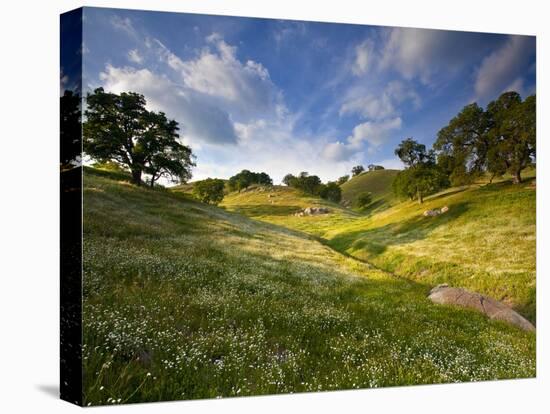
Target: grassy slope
<point>281,206</point>
<point>184,300</point>
<point>486,242</point>
<point>376,182</point>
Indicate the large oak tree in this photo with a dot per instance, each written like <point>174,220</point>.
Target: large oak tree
<point>118,127</point>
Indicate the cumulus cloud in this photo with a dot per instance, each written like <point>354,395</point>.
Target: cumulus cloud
<point>245,87</point>
<point>374,133</point>
<point>502,70</point>
<point>199,120</point>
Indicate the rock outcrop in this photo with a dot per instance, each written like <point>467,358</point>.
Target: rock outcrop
<point>435,212</point>
<point>445,295</point>
<point>312,211</point>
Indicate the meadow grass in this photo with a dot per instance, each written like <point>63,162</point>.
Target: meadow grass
<point>378,183</point>
<point>486,242</point>
<point>184,300</point>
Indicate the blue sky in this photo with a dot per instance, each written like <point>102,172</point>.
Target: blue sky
<point>287,96</point>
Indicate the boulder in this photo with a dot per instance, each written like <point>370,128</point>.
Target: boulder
<point>431,213</point>
<point>312,211</point>
<point>435,212</point>
<point>445,295</point>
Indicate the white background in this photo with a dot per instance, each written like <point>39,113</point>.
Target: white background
<point>29,206</point>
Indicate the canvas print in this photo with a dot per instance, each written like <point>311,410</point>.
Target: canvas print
<point>258,206</point>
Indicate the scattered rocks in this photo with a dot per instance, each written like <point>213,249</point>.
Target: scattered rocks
<point>435,212</point>
<point>445,295</point>
<point>312,211</point>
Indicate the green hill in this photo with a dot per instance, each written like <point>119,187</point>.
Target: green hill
<point>186,300</point>
<point>278,205</point>
<point>486,242</point>
<point>378,183</point>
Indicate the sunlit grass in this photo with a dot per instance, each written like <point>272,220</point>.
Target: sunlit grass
<point>184,300</point>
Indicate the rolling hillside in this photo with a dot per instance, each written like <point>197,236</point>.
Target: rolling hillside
<point>186,300</point>
<point>378,182</point>
<point>486,242</point>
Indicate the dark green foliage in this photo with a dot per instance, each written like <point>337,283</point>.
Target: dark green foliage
<point>420,181</point>
<point>331,191</point>
<point>512,135</point>
<point>343,179</point>
<point>245,178</point>
<point>310,184</point>
<point>463,144</point>
<point>363,199</point>
<point>373,167</point>
<point>498,140</point>
<point>288,179</point>
<point>119,128</point>
<point>358,169</point>
<point>412,153</point>
<point>422,176</point>
<point>209,191</point>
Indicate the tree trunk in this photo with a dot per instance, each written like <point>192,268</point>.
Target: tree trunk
<point>152,182</point>
<point>419,196</point>
<point>517,177</point>
<point>136,177</point>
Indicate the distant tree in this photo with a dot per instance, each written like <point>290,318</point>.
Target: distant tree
<point>512,135</point>
<point>363,199</point>
<point>288,179</point>
<point>422,176</point>
<point>358,169</point>
<point>343,179</point>
<point>413,153</point>
<point>209,191</point>
<point>310,184</point>
<point>420,181</point>
<point>331,191</point>
<point>246,178</point>
<point>119,128</point>
<point>374,167</point>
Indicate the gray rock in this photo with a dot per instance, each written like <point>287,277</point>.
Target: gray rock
<point>431,213</point>
<point>445,295</point>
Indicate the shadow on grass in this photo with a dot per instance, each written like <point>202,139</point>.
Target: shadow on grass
<point>375,241</point>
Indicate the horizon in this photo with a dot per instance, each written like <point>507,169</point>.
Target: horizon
<point>285,96</point>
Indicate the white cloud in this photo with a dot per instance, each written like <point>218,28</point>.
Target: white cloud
<point>245,87</point>
<point>501,70</point>
<point>199,120</point>
<point>124,25</point>
<point>363,57</point>
<point>425,53</point>
<point>374,133</point>
<point>135,56</point>
<point>382,105</point>
<point>338,151</point>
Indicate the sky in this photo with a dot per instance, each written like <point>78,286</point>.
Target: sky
<point>286,96</point>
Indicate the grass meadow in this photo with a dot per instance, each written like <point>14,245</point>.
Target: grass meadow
<point>183,300</point>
